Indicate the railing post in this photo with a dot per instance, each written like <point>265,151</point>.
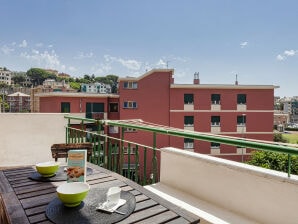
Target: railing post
<point>289,165</point>
<point>145,167</point>
<point>67,131</point>
<point>154,159</point>
<point>121,151</point>
<point>128,161</point>
<point>82,128</point>
<point>115,157</point>
<point>109,163</point>
<point>137,164</point>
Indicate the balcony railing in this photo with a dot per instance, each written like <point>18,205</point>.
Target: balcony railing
<point>116,154</point>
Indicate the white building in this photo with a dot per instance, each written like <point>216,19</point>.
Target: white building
<point>96,88</point>
<point>5,76</point>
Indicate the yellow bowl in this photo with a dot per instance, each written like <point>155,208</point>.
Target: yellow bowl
<point>47,169</point>
<point>72,194</point>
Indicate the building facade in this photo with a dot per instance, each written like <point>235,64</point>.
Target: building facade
<point>96,88</point>
<point>18,102</point>
<point>234,110</point>
<point>5,76</point>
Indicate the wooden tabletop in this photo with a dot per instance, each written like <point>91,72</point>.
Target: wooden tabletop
<point>25,200</point>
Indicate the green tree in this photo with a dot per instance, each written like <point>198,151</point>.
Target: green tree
<point>19,79</point>
<point>38,75</point>
<point>75,85</point>
<point>274,160</point>
<point>279,138</point>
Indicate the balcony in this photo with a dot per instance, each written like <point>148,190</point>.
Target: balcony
<point>217,190</point>
<point>189,106</point>
<point>215,106</point>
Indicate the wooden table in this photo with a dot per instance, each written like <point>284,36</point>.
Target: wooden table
<point>25,200</point>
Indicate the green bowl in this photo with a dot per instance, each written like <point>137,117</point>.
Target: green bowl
<point>47,169</point>
<point>72,194</point>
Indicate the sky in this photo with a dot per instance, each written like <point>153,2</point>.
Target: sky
<point>257,40</point>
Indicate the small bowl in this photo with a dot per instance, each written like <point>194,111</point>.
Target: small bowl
<point>47,169</point>
<point>72,194</point>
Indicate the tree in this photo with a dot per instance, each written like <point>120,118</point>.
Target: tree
<point>38,75</point>
<point>274,160</point>
<point>75,85</point>
<point>19,79</point>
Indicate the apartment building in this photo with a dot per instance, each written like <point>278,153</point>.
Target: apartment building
<point>18,102</point>
<point>228,109</point>
<point>95,88</point>
<point>234,110</point>
<point>5,76</point>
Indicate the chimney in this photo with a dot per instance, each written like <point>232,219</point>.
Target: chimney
<point>196,78</point>
<point>236,82</point>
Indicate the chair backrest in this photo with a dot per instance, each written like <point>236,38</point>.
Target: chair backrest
<point>61,150</point>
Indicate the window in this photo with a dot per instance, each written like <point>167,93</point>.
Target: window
<point>215,98</point>
<point>65,107</point>
<point>215,120</point>
<point>241,98</point>
<point>130,130</point>
<point>113,107</point>
<point>132,150</point>
<point>130,85</point>
<point>188,143</point>
<point>241,120</point>
<point>188,120</point>
<point>188,98</point>
<point>130,104</point>
<point>113,129</point>
<point>94,108</point>
<point>215,145</point>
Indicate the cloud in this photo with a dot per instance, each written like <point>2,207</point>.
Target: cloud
<point>161,63</point>
<point>243,44</point>
<point>82,55</point>
<point>23,44</point>
<point>286,54</point>
<point>127,63</point>
<point>6,49</point>
<point>46,59</point>
<point>290,53</point>
<point>72,69</point>
<point>39,44</point>
<point>280,57</point>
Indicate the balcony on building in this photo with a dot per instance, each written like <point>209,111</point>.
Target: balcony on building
<point>215,189</point>
<point>188,102</point>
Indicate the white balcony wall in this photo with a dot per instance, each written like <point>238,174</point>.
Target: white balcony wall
<point>215,107</point>
<point>26,138</point>
<point>241,128</point>
<point>241,107</point>
<point>223,191</point>
<point>189,127</point>
<point>215,129</point>
<point>188,107</point>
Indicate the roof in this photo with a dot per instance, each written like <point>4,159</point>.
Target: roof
<point>19,94</point>
<point>144,75</point>
<point>76,94</point>
<point>222,86</point>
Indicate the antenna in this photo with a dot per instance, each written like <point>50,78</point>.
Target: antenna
<point>168,64</point>
<point>236,82</point>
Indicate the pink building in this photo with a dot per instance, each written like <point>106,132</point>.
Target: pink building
<point>233,110</point>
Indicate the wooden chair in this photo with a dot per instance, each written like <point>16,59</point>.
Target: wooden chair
<point>61,150</point>
<point>3,213</point>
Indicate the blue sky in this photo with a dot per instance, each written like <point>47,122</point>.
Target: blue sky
<point>256,39</point>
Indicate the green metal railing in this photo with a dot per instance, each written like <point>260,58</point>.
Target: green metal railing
<point>123,157</point>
